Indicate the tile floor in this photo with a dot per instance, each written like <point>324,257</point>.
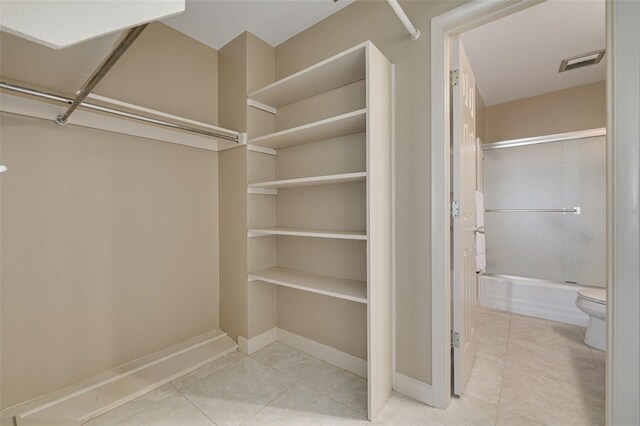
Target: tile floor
<point>527,372</point>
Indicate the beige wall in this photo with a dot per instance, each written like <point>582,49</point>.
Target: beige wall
<point>163,70</point>
<point>109,242</point>
<point>375,21</point>
<point>578,108</point>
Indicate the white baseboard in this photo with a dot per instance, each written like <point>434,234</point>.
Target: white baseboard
<point>413,388</point>
<point>95,396</point>
<point>353,364</point>
<point>249,346</point>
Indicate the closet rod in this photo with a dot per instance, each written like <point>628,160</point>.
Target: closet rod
<point>101,71</point>
<point>414,33</point>
<point>231,136</point>
<point>575,210</point>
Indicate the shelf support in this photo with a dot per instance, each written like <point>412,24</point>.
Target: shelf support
<point>102,70</point>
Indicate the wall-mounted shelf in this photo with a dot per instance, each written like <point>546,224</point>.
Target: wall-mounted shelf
<point>313,233</point>
<point>339,70</point>
<point>335,287</point>
<point>341,125</point>
<point>311,181</point>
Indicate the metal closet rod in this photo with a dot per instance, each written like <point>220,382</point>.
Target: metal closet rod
<point>112,111</point>
<point>575,210</point>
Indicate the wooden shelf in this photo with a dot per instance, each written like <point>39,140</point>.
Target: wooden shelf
<point>335,287</point>
<point>311,181</point>
<point>341,125</point>
<point>339,70</point>
<point>314,233</point>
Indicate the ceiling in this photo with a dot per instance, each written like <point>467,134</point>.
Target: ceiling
<point>215,23</point>
<point>518,56</point>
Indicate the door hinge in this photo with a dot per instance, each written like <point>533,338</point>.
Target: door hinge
<point>455,209</point>
<point>455,339</point>
<point>453,77</point>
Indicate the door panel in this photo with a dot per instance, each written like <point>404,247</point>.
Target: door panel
<point>464,293</point>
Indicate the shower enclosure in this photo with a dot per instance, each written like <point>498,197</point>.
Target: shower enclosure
<point>545,201</point>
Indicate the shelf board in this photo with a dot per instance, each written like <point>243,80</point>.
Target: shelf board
<point>339,70</point>
<point>341,125</point>
<point>314,233</point>
<point>312,181</point>
<point>335,287</point>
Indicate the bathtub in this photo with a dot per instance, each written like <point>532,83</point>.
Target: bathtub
<point>532,297</point>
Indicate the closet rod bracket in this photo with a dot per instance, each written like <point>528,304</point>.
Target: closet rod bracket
<point>100,72</point>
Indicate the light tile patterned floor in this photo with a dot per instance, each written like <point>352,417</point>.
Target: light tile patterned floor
<point>527,372</point>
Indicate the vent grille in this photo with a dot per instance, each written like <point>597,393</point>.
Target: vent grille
<point>580,61</point>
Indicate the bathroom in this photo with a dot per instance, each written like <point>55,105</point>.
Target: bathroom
<point>540,232</point>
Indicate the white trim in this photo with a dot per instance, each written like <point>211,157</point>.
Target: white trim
<point>249,346</point>
<point>353,364</point>
<point>38,109</point>
<point>97,395</point>
<point>261,106</point>
<point>261,149</point>
<point>261,191</point>
<point>623,224</point>
<point>162,114</point>
<point>393,221</point>
<point>545,139</point>
<point>413,388</point>
<point>449,24</point>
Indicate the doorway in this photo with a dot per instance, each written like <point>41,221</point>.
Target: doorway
<point>445,29</point>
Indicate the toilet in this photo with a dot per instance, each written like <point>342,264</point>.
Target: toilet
<point>593,302</point>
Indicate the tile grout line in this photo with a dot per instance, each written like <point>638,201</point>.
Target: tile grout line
<point>504,368</point>
<point>209,375</point>
<point>299,381</point>
<point>194,405</point>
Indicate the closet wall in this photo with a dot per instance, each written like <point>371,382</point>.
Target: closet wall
<point>109,242</point>
<point>371,20</point>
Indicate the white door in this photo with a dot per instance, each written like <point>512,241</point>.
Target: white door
<point>464,293</point>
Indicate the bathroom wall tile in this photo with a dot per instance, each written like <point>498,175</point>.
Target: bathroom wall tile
<point>133,407</point>
<point>303,406</point>
<point>341,385</point>
<point>485,380</point>
<point>569,366</point>
<point>287,360</point>
<point>233,394</point>
<point>550,401</point>
<point>207,370</point>
<point>175,410</point>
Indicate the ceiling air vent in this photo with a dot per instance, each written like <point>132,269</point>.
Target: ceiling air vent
<point>580,61</point>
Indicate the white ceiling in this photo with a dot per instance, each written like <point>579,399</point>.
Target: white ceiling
<point>518,56</point>
<point>217,22</point>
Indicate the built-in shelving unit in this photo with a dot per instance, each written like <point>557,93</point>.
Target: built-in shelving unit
<point>353,290</point>
<point>338,71</point>
<point>299,247</point>
<point>340,125</point>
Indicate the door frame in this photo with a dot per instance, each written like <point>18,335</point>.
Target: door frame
<point>623,184</point>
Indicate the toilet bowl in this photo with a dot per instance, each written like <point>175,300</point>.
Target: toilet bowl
<point>593,302</point>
